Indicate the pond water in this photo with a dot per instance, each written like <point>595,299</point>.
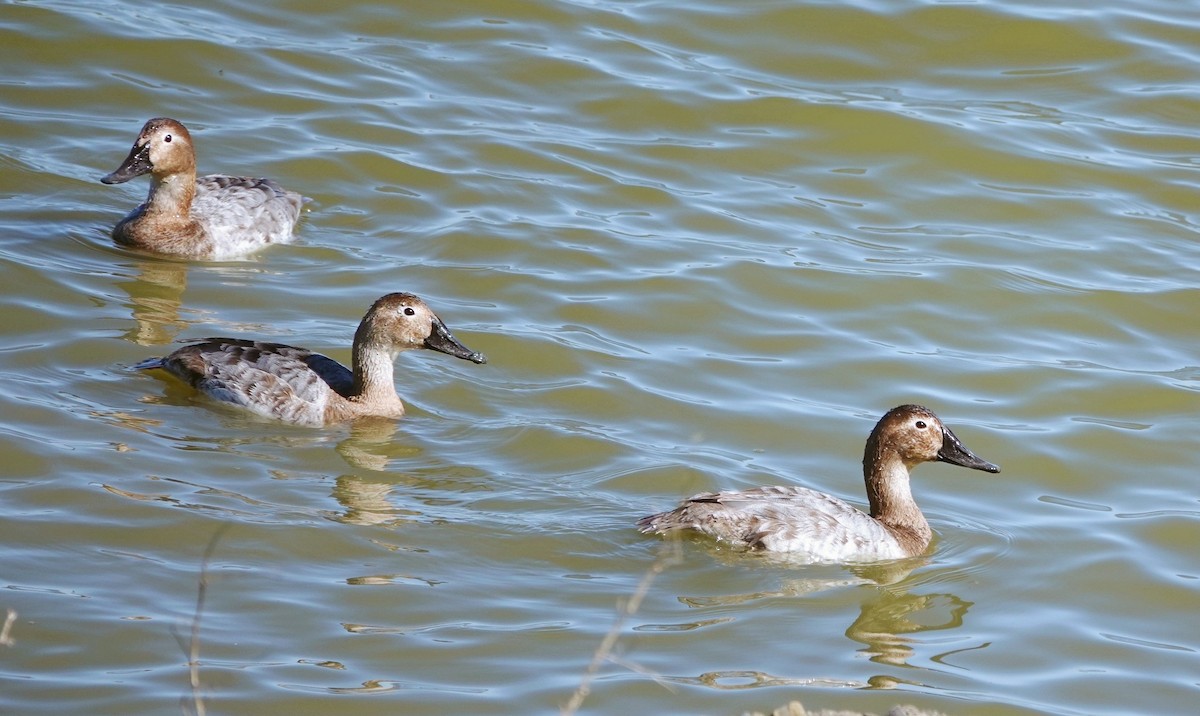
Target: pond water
<point>704,246</point>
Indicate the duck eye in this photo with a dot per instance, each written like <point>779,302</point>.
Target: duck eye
<point>167,138</point>
<point>921,424</point>
<point>408,311</point>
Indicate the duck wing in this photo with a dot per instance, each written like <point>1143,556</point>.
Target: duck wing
<point>241,213</point>
<point>790,519</point>
<point>271,379</point>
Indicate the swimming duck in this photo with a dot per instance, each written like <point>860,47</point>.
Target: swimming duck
<point>213,217</point>
<point>301,387</point>
<point>817,527</point>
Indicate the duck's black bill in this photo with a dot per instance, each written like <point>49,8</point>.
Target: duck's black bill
<point>135,165</point>
<point>442,340</point>
<point>955,453</point>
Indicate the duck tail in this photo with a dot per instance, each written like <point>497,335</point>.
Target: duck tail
<point>650,525</point>
<point>150,364</point>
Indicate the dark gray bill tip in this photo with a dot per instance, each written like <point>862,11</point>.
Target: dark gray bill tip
<point>442,340</point>
<point>955,453</point>
<point>135,165</point>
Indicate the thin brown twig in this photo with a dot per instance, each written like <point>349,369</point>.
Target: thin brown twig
<point>668,556</point>
<point>192,649</point>
<point>639,669</point>
<point>6,632</point>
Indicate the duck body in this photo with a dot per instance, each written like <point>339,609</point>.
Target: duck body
<point>815,527</point>
<point>213,217</point>
<point>301,387</point>
<point>802,522</point>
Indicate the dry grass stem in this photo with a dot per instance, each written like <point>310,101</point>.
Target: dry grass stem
<point>192,648</point>
<point>670,555</point>
<point>6,631</point>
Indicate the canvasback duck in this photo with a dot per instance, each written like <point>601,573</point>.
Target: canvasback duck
<point>213,217</point>
<point>301,387</point>
<point>817,527</point>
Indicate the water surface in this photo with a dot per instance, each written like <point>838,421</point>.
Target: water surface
<point>704,247</point>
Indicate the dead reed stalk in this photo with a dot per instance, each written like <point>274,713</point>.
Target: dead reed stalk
<point>668,556</point>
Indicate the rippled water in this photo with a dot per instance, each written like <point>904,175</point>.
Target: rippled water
<point>704,246</point>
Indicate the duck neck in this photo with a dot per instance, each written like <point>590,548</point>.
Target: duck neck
<point>172,195</point>
<point>373,367</point>
<point>891,499</point>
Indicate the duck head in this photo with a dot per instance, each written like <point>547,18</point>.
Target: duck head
<point>917,435</point>
<point>163,147</point>
<point>402,321</point>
